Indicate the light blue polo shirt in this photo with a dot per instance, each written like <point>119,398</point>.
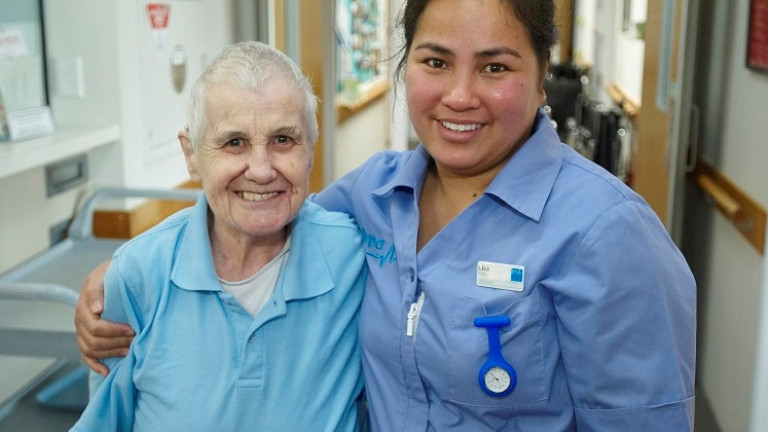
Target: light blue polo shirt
<point>602,304</point>
<point>200,362</point>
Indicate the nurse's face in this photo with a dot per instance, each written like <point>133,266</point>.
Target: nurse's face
<point>254,160</point>
<point>473,84</point>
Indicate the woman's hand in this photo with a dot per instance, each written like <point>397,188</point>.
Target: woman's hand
<point>97,338</point>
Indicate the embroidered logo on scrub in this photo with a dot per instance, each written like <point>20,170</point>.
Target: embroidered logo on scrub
<point>378,248</point>
<point>502,276</point>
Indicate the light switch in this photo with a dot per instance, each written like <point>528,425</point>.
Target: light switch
<point>70,82</point>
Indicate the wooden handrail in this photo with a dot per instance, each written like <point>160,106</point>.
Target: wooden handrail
<point>748,216</point>
<point>729,206</point>
<point>622,100</point>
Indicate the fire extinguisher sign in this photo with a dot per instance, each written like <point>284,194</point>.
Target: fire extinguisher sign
<point>159,14</point>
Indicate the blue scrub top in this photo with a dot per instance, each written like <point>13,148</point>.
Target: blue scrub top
<point>602,332</point>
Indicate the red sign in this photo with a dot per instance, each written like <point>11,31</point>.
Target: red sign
<point>158,13</point>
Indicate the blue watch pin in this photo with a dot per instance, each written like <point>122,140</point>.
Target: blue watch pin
<point>497,378</point>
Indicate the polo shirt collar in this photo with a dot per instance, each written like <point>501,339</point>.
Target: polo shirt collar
<point>193,269</point>
<point>306,273</point>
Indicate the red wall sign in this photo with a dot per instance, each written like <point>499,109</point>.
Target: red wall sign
<point>158,13</point>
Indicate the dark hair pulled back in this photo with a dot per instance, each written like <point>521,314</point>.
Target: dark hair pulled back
<point>538,16</point>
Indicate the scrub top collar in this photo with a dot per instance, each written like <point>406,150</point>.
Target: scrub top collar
<point>194,253</point>
<point>410,175</point>
<point>524,184</point>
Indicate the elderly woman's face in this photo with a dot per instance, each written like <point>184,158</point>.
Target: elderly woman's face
<point>254,161</point>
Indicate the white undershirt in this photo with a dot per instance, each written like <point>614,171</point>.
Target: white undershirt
<point>254,292</point>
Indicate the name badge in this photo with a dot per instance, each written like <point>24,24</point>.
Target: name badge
<point>501,276</point>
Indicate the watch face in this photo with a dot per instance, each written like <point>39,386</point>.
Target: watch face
<point>497,380</point>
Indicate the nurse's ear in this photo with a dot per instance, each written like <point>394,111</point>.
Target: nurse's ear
<point>543,77</point>
<point>189,155</point>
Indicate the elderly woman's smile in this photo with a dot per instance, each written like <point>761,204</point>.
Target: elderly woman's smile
<point>255,196</point>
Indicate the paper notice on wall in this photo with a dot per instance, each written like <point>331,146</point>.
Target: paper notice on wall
<point>159,15</point>
<point>22,84</point>
<point>4,134</point>
<point>12,44</point>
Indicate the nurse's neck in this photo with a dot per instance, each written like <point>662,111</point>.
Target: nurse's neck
<point>442,199</point>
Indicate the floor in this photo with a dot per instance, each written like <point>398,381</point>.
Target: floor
<point>26,414</point>
<point>705,419</point>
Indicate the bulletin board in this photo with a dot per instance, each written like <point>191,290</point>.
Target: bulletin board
<point>757,46</point>
<point>361,35</point>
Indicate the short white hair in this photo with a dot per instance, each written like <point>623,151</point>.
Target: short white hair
<point>249,65</point>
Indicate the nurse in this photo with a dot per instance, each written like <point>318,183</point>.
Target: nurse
<point>513,284</point>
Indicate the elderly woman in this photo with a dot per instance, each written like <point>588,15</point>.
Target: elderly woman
<point>245,306</point>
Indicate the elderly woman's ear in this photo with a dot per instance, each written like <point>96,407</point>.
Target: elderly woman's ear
<point>189,155</point>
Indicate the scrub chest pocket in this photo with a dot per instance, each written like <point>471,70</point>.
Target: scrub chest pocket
<point>521,346</point>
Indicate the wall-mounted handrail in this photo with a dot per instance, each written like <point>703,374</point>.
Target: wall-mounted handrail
<point>82,223</point>
<point>741,210</point>
<point>630,107</point>
<point>729,206</point>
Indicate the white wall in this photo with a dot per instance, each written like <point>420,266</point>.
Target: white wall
<point>27,215</point>
<point>382,125</point>
<point>128,78</point>
<point>583,30</point>
<point>86,29</point>
<point>360,136</point>
<point>24,225</point>
<point>151,153</point>
<point>614,55</point>
<point>759,420</point>
<point>400,131</point>
<point>732,354</point>
<point>630,51</point>
<point>127,83</point>
<point>731,274</point>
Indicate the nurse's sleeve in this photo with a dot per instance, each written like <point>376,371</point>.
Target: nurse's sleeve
<point>626,312</point>
<point>338,195</point>
<point>346,193</point>
<point>111,406</point>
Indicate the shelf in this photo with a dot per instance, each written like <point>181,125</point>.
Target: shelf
<point>369,93</point>
<point>67,141</point>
